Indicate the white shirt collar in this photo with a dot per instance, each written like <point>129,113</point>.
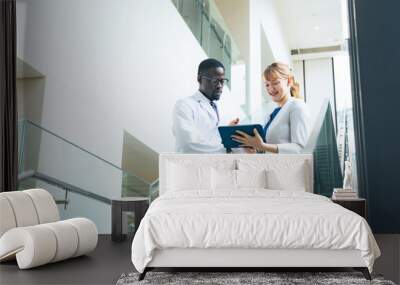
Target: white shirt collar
<point>200,96</point>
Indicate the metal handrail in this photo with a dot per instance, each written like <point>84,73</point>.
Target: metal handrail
<point>153,194</point>
<point>155,182</point>
<point>64,202</point>
<point>60,184</point>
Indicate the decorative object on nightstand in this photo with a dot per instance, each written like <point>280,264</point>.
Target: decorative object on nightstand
<point>357,205</point>
<point>347,197</point>
<point>347,175</point>
<point>346,192</point>
<point>137,205</point>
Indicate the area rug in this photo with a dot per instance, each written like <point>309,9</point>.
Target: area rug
<point>243,278</point>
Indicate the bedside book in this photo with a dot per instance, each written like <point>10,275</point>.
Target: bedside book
<point>345,194</point>
<point>342,190</point>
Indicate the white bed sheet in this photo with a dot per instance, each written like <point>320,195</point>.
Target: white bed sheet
<point>251,218</point>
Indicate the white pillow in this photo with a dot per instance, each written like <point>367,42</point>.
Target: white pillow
<point>183,177</point>
<point>283,173</point>
<point>294,178</point>
<point>251,178</point>
<point>223,179</point>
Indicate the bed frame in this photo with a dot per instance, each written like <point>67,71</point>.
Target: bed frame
<point>249,259</point>
<point>245,259</point>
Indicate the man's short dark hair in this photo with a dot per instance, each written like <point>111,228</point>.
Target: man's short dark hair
<point>209,63</point>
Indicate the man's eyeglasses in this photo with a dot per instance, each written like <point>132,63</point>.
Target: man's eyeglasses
<point>215,81</point>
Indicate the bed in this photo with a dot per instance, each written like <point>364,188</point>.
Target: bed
<point>243,210</point>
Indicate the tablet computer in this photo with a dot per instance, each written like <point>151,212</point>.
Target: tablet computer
<point>226,133</point>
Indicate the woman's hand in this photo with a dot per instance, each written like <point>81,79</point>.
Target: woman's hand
<point>245,140</point>
<point>250,150</point>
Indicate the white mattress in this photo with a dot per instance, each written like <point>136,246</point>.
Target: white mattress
<point>250,219</point>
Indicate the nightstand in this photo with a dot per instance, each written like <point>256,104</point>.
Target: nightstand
<point>137,205</point>
<point>357,205</point>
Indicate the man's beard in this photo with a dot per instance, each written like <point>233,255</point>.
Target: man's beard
<point>215,96</point>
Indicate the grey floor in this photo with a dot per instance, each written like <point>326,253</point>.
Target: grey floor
<point>102,266</point>
<point>111,259</point>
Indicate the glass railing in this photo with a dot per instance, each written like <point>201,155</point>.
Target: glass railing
<point>72,201</point>
<point>323,145</point>
<point>209,28</point>
<point>154,190</point>
<point>71,173</point>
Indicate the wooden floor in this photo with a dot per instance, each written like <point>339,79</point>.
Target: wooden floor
<point>102,266</point>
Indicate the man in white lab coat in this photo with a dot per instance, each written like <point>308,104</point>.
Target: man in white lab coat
<point>196,118</point>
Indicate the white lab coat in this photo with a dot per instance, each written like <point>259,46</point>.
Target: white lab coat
<point>195,126</point>
<point>290,128</point>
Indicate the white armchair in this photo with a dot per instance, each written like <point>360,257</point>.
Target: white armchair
<point>31,232</point>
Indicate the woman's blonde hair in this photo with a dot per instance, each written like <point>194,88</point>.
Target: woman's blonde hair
<point>281,70</point>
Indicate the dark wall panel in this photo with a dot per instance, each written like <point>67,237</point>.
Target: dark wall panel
<point>377,26</point>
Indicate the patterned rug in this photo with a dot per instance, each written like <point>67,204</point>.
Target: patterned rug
<point>243,278</point>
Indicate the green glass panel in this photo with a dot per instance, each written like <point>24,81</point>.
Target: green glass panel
<point>327,169</point>
<point>205,33</point>
<point>216,42</point>
<point>191,12</point>
<point>211,36</point>
<point>227,57</point>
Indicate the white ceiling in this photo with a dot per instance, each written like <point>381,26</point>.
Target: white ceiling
<point>311,23</point>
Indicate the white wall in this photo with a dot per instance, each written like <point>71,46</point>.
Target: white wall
<point>319,84</point>
<point>267,13</point>
<point>256,28</point>
<point>109,66</point>
<point>264,19</point>
<point>80,55</point>
<point>342,81</point>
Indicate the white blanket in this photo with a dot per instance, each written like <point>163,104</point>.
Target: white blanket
<point>252,218</point>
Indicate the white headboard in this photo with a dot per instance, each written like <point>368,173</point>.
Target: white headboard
<point>270,160</point>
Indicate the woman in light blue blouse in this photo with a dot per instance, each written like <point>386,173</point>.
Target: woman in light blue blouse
<point>287,127</point>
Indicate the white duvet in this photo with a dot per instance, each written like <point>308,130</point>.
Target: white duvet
<point>252,218</point>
